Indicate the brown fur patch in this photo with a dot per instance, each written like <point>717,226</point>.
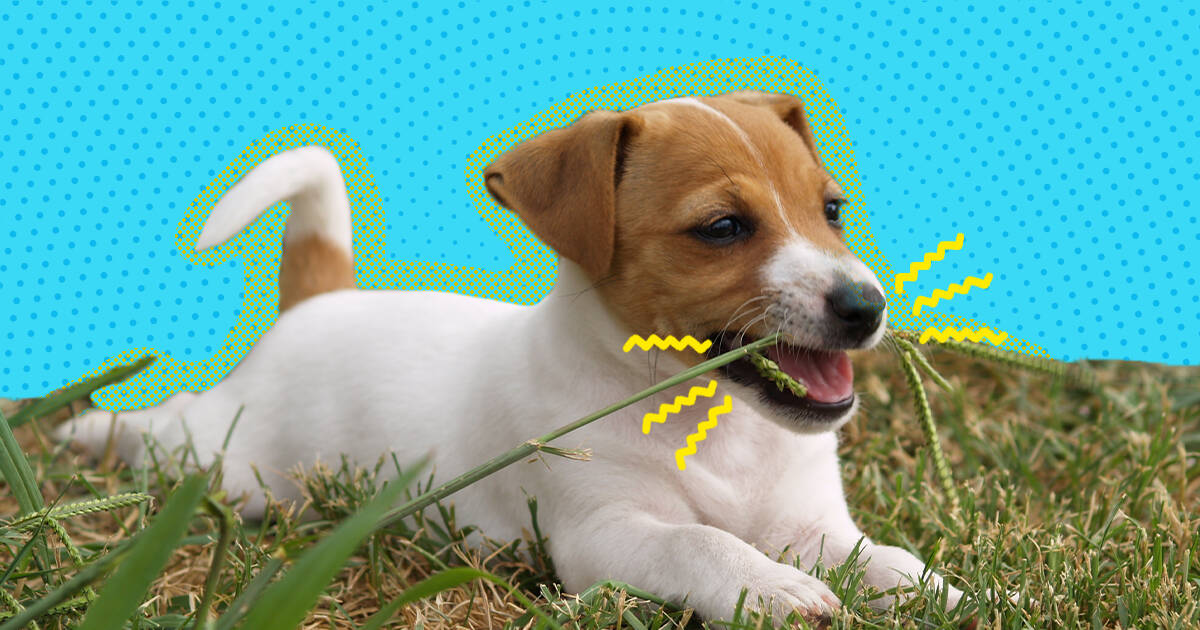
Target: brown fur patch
<point>687,167</point>
<point>312,265</point>
<point>624,193</point>
<point>561,184</point>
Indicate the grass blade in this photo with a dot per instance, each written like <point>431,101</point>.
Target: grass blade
<point>57,597</point>
<point>443,581</point>
<point>124,591</point>
<point>534,445</point>
<point>250,595</point>
<point>71,393</point>
<point>15,468</point>
<point>285,604</point>
<point>226,522</point>
<point>434,584</point>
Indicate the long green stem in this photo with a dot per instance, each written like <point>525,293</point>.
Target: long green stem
<point>16,471</point>
<point>226,523</point>
<point>536,444</point>
<point>1075,373</point>
<point>72,510</point>
<point>14,467</point>
<point>923,362</point>
<point>925,415</point>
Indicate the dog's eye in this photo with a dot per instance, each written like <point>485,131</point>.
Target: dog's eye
<point>833,211</point>
<point>723,230</point>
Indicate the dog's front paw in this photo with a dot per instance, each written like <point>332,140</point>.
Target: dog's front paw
<point>783,590</point>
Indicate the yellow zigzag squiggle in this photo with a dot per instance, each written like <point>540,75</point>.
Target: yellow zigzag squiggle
<point>948,292</point>
<point>702,432</point>
<point>924,265</point>
<point>966,332</point>
<point>666,409</point>
<point>655,341</point>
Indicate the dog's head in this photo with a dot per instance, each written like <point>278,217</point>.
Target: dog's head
<point>710,217</point>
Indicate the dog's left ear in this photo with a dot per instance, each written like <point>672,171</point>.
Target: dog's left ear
<point>563,185</point>
<point>788,107</point>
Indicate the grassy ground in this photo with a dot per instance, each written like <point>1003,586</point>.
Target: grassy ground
<point>1085,507</point>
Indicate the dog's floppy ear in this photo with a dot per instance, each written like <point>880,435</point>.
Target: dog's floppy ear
<point>563,185</point>
<point>788,107</point>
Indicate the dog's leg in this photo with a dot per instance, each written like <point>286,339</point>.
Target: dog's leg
<point>892,570</point>
<point>695,565</point>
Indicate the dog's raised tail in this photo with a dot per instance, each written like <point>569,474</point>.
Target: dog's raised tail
<point>318,243</point>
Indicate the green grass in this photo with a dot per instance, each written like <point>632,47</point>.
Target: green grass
<point>1082,502</point>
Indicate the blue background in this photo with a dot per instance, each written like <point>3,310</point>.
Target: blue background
<point>1060,139</point>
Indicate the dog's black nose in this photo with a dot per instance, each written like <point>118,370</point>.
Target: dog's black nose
<point>858,307</point>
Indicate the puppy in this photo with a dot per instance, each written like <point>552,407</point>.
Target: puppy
<point>710,217</point>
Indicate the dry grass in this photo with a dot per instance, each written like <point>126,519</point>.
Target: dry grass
<point>1090,508</point>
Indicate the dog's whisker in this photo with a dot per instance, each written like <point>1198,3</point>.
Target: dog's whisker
<point>739,314</point>
<point>747,303</point>
<point>305,393</point>
<point>762,315</point>
<point>754,316</point>
<point>783,323</point>
<point>745,329</point>
<point>654,368</point>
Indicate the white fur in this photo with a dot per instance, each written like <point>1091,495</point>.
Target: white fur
<point>799,276</point>
<point>416,373</point>
<point>308,178</point>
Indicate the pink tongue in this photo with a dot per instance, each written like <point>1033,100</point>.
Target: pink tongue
<point>828,376</point>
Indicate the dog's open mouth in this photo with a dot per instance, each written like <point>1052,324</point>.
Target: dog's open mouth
<point>827,375</point>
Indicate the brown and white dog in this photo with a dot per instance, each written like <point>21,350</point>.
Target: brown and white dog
<point>710,217</point>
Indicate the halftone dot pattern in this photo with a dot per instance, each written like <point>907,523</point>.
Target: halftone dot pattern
<point>1060,139</point>
<point>259,247</point>
<point>769,74</point>
<point>533,274</point>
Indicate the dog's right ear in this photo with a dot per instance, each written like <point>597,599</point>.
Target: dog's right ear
<point>788,107</point>
<point>563,185</point>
